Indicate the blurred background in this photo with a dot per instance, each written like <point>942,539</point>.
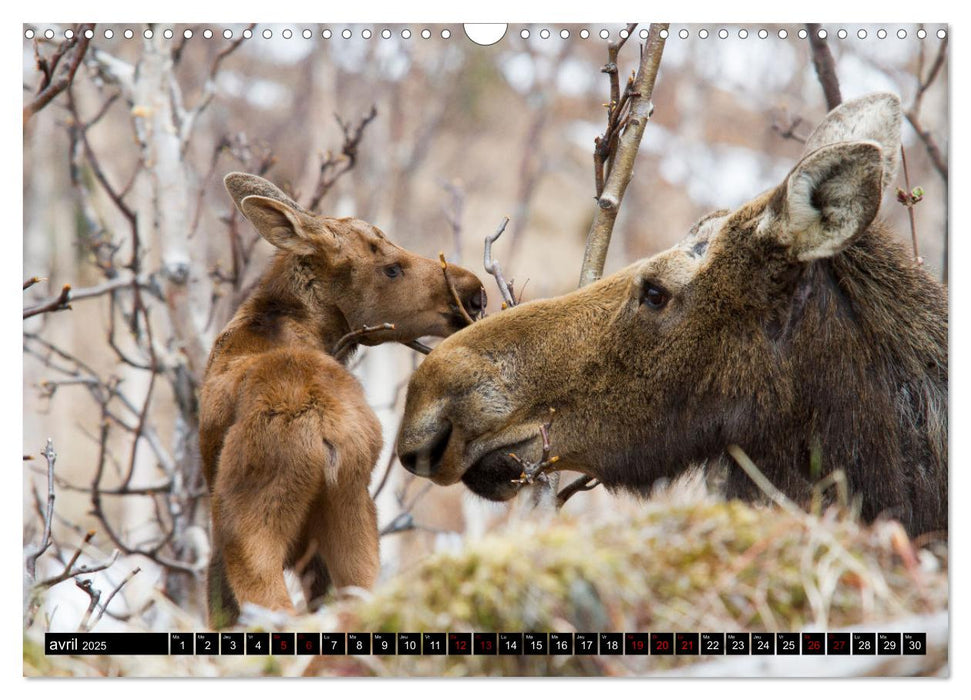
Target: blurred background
<point>123,198</point>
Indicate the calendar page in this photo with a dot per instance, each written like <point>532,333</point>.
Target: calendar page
<point>416,349</point>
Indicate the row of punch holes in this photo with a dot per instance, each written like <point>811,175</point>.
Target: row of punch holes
<point>406,33</point>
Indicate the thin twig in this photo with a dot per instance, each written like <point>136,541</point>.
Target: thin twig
<point>80,42</point>
<point>418,347</point>
<point>70,572</point>
<point>495,269</point>
<point>59,303</point>
<point>451,288</point>
<point>347,342</point>
<point>583,483</point>
<point>114,592</point>
<point>94,595</point>
<point>51,456</point>
<point>910,199</point>
<point>334,166</point>
<point>825,67</point>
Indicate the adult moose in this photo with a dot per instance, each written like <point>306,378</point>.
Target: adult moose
<point>794,325</point>
<point>288,441</point>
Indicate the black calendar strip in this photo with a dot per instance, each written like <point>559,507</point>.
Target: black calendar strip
<point>485,643</point>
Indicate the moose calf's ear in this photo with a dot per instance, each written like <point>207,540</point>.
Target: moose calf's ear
<point>832,195</point>
<point>278,223</point>
<point>242,185</point>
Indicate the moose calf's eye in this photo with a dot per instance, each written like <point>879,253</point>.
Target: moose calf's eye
<point>654,297</point>
<point>393,270</point>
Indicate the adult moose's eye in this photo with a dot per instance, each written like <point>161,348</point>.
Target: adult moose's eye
<point>654,297</point>
<point>393,271</point>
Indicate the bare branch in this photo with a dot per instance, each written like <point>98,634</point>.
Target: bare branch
<point>455,294</point>
<point>622,164</point>
<point>79,42</point>
<point>418,347</point>
<point>114,592</point>
<point>51,456</point>
<point>349,341</point>
<point>333,167</point>
<point>825,67</point>
<point>909,199</point>
<point>495,269</point>
<point>583,483</point>
<point>60,303</point>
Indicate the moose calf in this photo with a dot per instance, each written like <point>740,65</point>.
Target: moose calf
<point>288,441</point>
<point>796,327</point>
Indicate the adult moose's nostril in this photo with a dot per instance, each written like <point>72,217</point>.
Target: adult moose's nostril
<point>427,459</point>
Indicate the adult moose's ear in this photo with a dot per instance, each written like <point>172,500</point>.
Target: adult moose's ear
<point>831,196</point>
<point>282,225</point>
<point>876,117</point>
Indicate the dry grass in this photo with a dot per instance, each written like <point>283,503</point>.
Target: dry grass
<point>702,565</point>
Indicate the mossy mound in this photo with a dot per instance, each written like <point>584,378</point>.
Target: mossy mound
<point>703,566</point>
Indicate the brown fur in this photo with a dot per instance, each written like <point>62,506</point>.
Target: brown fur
<point>288,441</point>
<point>794,326</point>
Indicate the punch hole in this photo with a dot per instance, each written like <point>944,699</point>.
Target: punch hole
<point>346,33</point>
<point>187,34</point>
<point>783,34</point>
<point>643,34</point>
<point>287,34</point>
<point>227,34</point>
<point>168,34</point>
<point>89,34</point>
<point>921,34</point>
<point>861,34</point>
<point>802,33</point>
<point>366,33</point>
<point>822,34</point>
<point>109,34</point>
<point>941,34</point>
<point>49,34</point>
<point>307,33</point>
<point>564,33</point>
<point>267,34</point>
<point>207,34</point>
<point>484,34</point>
<point>29,34</point>
<point>624,33</point>
<point>703,33</point>
<point>405,33</point>
<point>544,33</point>
<point>841,34</point>
<point>901,33</point>
<point>68,33</point>
<point>326,34</point>
<point>385,33</point>
<point>129,34</point>
<point>426,34</point>
<point>881,34</point>
<point>524,34</point>
<point>148,33</point>
<point>683,34</point>
<point>723,33</point>
<point>663,33</point>
<point>763,34</point>
<point>446,33</point>
<point>742,33</point>
<point>604,34</point>
<point>584,34</point>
